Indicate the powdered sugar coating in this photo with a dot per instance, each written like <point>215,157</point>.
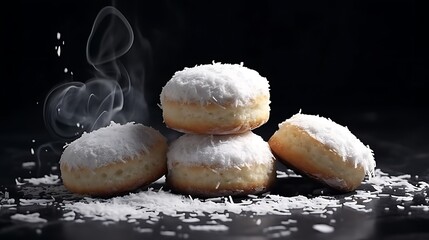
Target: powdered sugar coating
<point>114,143</point>
<point>338,138</point>
<point>216,83</point>
<point>221,150</point>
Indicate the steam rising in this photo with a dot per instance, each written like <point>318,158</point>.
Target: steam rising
<point>115,93</point>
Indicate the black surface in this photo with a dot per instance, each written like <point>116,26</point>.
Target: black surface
<point>361,63</point>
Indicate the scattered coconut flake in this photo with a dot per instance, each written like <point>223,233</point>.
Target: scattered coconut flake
<point>384,180</point>
<point>279,234</point>
<point>323,228</point>
<point>208,227</point>
<point>289,221</point>
<point>190,220</point>
<point>274,228</point>
<point>151,205</point>
<point>421,207</point>
<point>143,230</point>
<point>167,233</point>
<point>28,202</point>
<point>31,218</point>
<point>47,179</point>
<point>161,180</point>
<point>69,216</point>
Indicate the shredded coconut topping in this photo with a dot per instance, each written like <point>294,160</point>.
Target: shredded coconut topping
<point>338,138</point>
<point>106,145</point>
<point>216,83</point>
<point>221,150</point>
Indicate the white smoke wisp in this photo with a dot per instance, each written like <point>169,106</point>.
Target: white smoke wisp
<point>115,93</point>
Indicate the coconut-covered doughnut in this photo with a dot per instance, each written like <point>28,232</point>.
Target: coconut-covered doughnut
<point>220,165</point>
<point>323,150</point>
<point>216,99</point>
<point>114,159</point>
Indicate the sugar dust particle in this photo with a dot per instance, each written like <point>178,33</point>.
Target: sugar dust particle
<point>58,35</point>
<point>323,228</point>
<point>28,164</point>
<point>58,51</point>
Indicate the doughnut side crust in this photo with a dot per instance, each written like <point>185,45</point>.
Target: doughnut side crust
<point>117,177</point>
<point>211,181</point>
<point>214,118</point>
<point>295,147</point>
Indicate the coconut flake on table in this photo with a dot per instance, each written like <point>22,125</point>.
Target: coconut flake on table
<point>288,174</point>
<point>384,180</point>
<point>216,83</point>
<point>323,228</point>
<point>50,179</point>
<point>337,137</point>
<point>150,206</point>
<point>208,227</point>
<point>31,218</point>
<point>40,202</point>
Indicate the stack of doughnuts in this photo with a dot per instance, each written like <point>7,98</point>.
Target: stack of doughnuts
<point>216,106</point>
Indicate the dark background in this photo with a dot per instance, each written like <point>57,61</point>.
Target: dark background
<point>363,64</point>
<point>324,57</point>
